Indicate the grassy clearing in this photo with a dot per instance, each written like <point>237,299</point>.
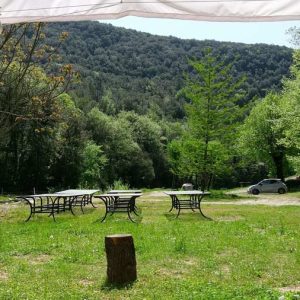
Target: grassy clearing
<point>247,252</point>
<point>295,193</point>
<point>4,197</point>
<point>223,195</point>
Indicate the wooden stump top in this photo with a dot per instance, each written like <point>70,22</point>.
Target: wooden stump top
<point>118,235</point>
<point>117,239</point>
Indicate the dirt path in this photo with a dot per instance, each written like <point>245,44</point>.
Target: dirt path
<point>266,199</point>
<point>262,199</point>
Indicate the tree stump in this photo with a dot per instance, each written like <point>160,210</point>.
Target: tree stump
<point>120,254</point>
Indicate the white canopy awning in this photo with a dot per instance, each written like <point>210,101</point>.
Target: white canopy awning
<point>15,11</point>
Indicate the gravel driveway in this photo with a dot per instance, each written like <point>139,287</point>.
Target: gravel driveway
<point>261,199</point>
<point>272,199</point>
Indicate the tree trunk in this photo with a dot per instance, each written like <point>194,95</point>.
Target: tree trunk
<point>210,181</point>
<point>278,161</point>
<point>120,254</point>
<point>205,181</point>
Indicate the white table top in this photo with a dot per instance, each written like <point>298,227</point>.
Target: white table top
<point>186,193</point>
<point>124,191</point>
<point>81,192</point>
<point>52,195</point>
<point>123,195</point>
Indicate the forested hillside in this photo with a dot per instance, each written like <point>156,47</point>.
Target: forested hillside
<point>137,71</point>
<point>125,119</point>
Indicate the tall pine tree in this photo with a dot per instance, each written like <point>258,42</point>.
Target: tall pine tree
<point>212,116</point>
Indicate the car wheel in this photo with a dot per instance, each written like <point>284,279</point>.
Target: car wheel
<point>255,192</point>
<point>281,191</point>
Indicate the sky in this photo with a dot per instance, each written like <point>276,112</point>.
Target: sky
<point>250,33</point>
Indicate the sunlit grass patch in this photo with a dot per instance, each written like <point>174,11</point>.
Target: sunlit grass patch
<point>3,275</point>
<point>4,198</point>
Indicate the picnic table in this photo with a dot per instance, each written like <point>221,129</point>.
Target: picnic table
<point>54,203</point>
<point>50,204</point>
<point>187,200</point>
<point>125,192</point>
<point>85,199</point>
<point>119,202</point>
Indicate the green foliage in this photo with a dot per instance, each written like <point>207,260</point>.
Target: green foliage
<point>68,145</point>
<point>222,195</point>
<point>107,104</point>
<point>125,105</point>
<point>212,118</point>
<point>213,94</point>
<point>119,185</point>
<point>28,118</point>
<point>271,132</point>
<point>187,159</point>
<point>93,162</point>
<point>142,69</point>
<point>133,145</point>
<point>259,138</point>
<point>29,111</point>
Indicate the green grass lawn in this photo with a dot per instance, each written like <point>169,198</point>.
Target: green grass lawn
<point>4,197</point>
<point>247,252</point>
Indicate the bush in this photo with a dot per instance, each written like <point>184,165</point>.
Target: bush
<point>293,184</point>
<point>119,185</point>
<point>217,194</point>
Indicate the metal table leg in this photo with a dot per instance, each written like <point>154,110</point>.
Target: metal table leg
<point>203,215</point>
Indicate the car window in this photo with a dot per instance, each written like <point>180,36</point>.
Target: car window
<point>266,182</point>
<point>273,181</point>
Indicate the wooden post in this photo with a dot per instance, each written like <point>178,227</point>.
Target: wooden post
<point>120,254</point>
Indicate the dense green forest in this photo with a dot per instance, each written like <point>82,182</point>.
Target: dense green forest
<point>87,104</point>
<point>142,71</point>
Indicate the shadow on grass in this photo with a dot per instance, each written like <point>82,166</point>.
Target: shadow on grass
<point>115,218</point>
<point>86,211</point>
<point>185,217</point>
<point>107,286</point>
